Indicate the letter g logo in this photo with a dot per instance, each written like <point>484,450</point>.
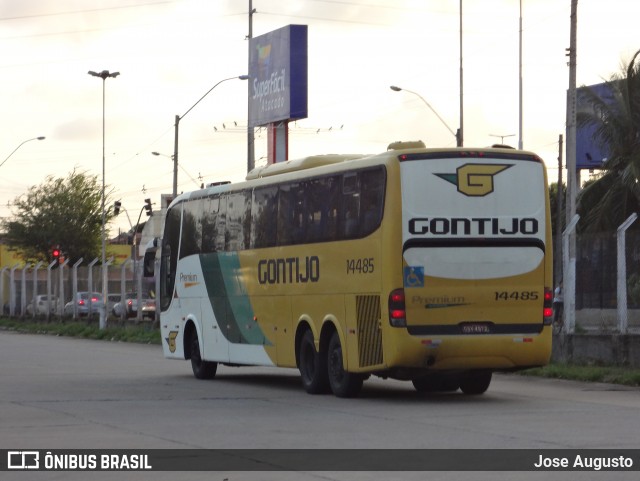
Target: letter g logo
<point>474,180</point>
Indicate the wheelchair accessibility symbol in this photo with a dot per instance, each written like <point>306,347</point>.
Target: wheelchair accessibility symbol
<point>414,276</point>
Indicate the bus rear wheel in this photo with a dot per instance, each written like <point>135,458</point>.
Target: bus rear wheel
<point>343,383</point>
<point>312,366</point>
<point>475,382</point>
<point>201,369</point>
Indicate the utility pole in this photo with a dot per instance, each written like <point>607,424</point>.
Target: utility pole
<point>460,133</point>
<point>251,162</point>
<point>569,279</point>
<point>520,144</point>
<point>572,188</point>
<point>557,268</point>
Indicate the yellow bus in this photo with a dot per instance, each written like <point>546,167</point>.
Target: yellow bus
<point>427,265</point>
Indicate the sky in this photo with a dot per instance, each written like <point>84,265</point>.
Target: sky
<point>171,52</point>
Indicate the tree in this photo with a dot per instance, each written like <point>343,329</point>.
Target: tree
<point>607,201</point>
<point>59,212</point>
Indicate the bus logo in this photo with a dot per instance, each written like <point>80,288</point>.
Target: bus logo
<point>475,180</point>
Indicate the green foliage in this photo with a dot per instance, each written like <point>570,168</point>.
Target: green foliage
<point>610,199</point>
<point>61,211</point>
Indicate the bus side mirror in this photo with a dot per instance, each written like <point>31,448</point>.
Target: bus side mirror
<point>149,263</point>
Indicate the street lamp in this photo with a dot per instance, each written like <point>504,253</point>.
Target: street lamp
<point>178,119</point>
<point>14,150</point>
<point>457,134</point>
<point>104,75</point>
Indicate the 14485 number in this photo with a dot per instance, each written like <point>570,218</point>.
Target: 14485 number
<point>516,296</point>
<point>360,266</point>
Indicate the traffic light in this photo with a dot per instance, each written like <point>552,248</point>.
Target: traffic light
<point>147,207</point>
<point>116,207</point>
<point>55,252</point>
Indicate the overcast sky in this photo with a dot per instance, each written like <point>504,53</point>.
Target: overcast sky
<point>169,53</point>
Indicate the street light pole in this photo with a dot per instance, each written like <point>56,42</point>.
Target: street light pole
<point>14,150</point>
<point>177,124</point>
<point>456,135</point>
<point>104,75</point>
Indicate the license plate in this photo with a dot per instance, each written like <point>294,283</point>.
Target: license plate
<point>476,328</point>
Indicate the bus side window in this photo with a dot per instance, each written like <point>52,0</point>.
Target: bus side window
<point>221,225</point>
<point>264,217</point>
<point>350,206</point>
<point>290,219</point>
<point>371,200</point>
<point>238,228</point>
<point>209,227</point>
<point>169,255</point>
<point>191,228</point>
<point>322,208</point>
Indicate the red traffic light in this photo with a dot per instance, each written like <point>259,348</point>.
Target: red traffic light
<point>55,253</point>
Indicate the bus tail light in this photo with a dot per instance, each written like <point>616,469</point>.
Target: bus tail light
<point>547,307</point>
<point>397,310</point>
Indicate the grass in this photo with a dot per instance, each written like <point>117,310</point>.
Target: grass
<point>145,334</point>
<point>626,376</point>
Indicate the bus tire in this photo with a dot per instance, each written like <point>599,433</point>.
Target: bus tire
<point>201,369</point>
<point>343,384</point>
<point>475,382</point>
<point>312,366</point>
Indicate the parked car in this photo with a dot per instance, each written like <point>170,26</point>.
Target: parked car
<point>130,305</point>
<point>112,300</point>
<point>149,309</point>
<point>84,301</point>
<point>41,305</point>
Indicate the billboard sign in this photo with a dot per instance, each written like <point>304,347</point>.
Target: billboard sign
<point>278,76</point>
<point>589,153</point>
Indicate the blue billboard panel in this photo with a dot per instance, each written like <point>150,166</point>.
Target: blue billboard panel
<point>278,76</point>
<point>589,153</point>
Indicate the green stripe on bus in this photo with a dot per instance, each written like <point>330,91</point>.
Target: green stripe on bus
<point>229,299</point>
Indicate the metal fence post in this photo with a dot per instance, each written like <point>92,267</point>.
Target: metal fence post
<point>2,301</point>
<point>49,267</point>
<point>61,267</point>
<point>12,290</point>
<point>623,321</point>
<point>123,289</point>
<point>89,288</point>
<point>74,281</point>
<point>569,278</point>
<point>35,289</point>
<point>23,290</point>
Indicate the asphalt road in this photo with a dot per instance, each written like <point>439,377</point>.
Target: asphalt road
<point>66,393</point>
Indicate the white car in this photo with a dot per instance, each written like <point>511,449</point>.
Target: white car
<point>41,305</point>
<point>86,302</point>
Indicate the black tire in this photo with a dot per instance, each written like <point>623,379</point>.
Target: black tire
<point>475,382</point>
<point>312,366</point>
<point>343,384</point>
<point>436,383</point>
<point>201,369</point>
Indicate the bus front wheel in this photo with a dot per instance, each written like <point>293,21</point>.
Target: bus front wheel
<point>312,366</point>
<point>343,383</point>
<point>475,382</point>
<point>201,369</point>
